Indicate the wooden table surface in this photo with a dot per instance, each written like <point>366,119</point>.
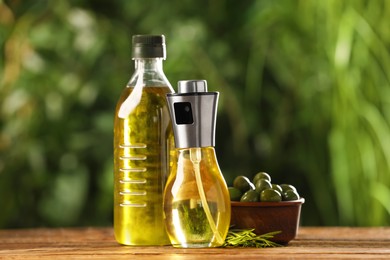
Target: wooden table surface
<point>98,243</point>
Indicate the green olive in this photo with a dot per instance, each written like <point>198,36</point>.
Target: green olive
<point>277,187</point>
<point>235,194</point>
<point>262,184</point>
<point>270,195</point>
<point>290,195</point>
<point>286,187</point>
<point>261,175</point>
<point>250,196</point>
<point>243,183</point>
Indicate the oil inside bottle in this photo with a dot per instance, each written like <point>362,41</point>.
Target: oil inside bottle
<point>142,142</point>
<point>186,217</point>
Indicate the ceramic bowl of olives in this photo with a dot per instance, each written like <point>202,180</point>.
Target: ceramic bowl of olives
<point>265,207</point>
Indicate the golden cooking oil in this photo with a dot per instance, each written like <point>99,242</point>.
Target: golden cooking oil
<point>193,221</point>
<point>141,162</point>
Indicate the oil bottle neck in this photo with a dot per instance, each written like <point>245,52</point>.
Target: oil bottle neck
<point>149,64</point>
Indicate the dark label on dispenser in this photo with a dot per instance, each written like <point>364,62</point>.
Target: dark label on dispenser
<point>183,113</point>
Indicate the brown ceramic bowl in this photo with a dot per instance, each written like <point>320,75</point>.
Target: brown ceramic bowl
<point>267,217</point>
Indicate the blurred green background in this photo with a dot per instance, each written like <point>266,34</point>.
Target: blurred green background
<point>305,96</point>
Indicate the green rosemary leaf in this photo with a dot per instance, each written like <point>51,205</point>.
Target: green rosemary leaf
<point>247,238</point>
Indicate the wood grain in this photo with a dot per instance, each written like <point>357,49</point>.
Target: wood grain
<point>99,243</point>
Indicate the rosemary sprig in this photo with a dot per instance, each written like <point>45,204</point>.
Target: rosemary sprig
<point>247,238</point>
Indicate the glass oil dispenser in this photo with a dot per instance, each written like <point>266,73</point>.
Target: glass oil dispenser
<point>196,198</point>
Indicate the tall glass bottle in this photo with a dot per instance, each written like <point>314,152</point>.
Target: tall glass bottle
<point>143,139</point>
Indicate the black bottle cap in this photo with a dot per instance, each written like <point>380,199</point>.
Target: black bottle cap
<point>149,46</point>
